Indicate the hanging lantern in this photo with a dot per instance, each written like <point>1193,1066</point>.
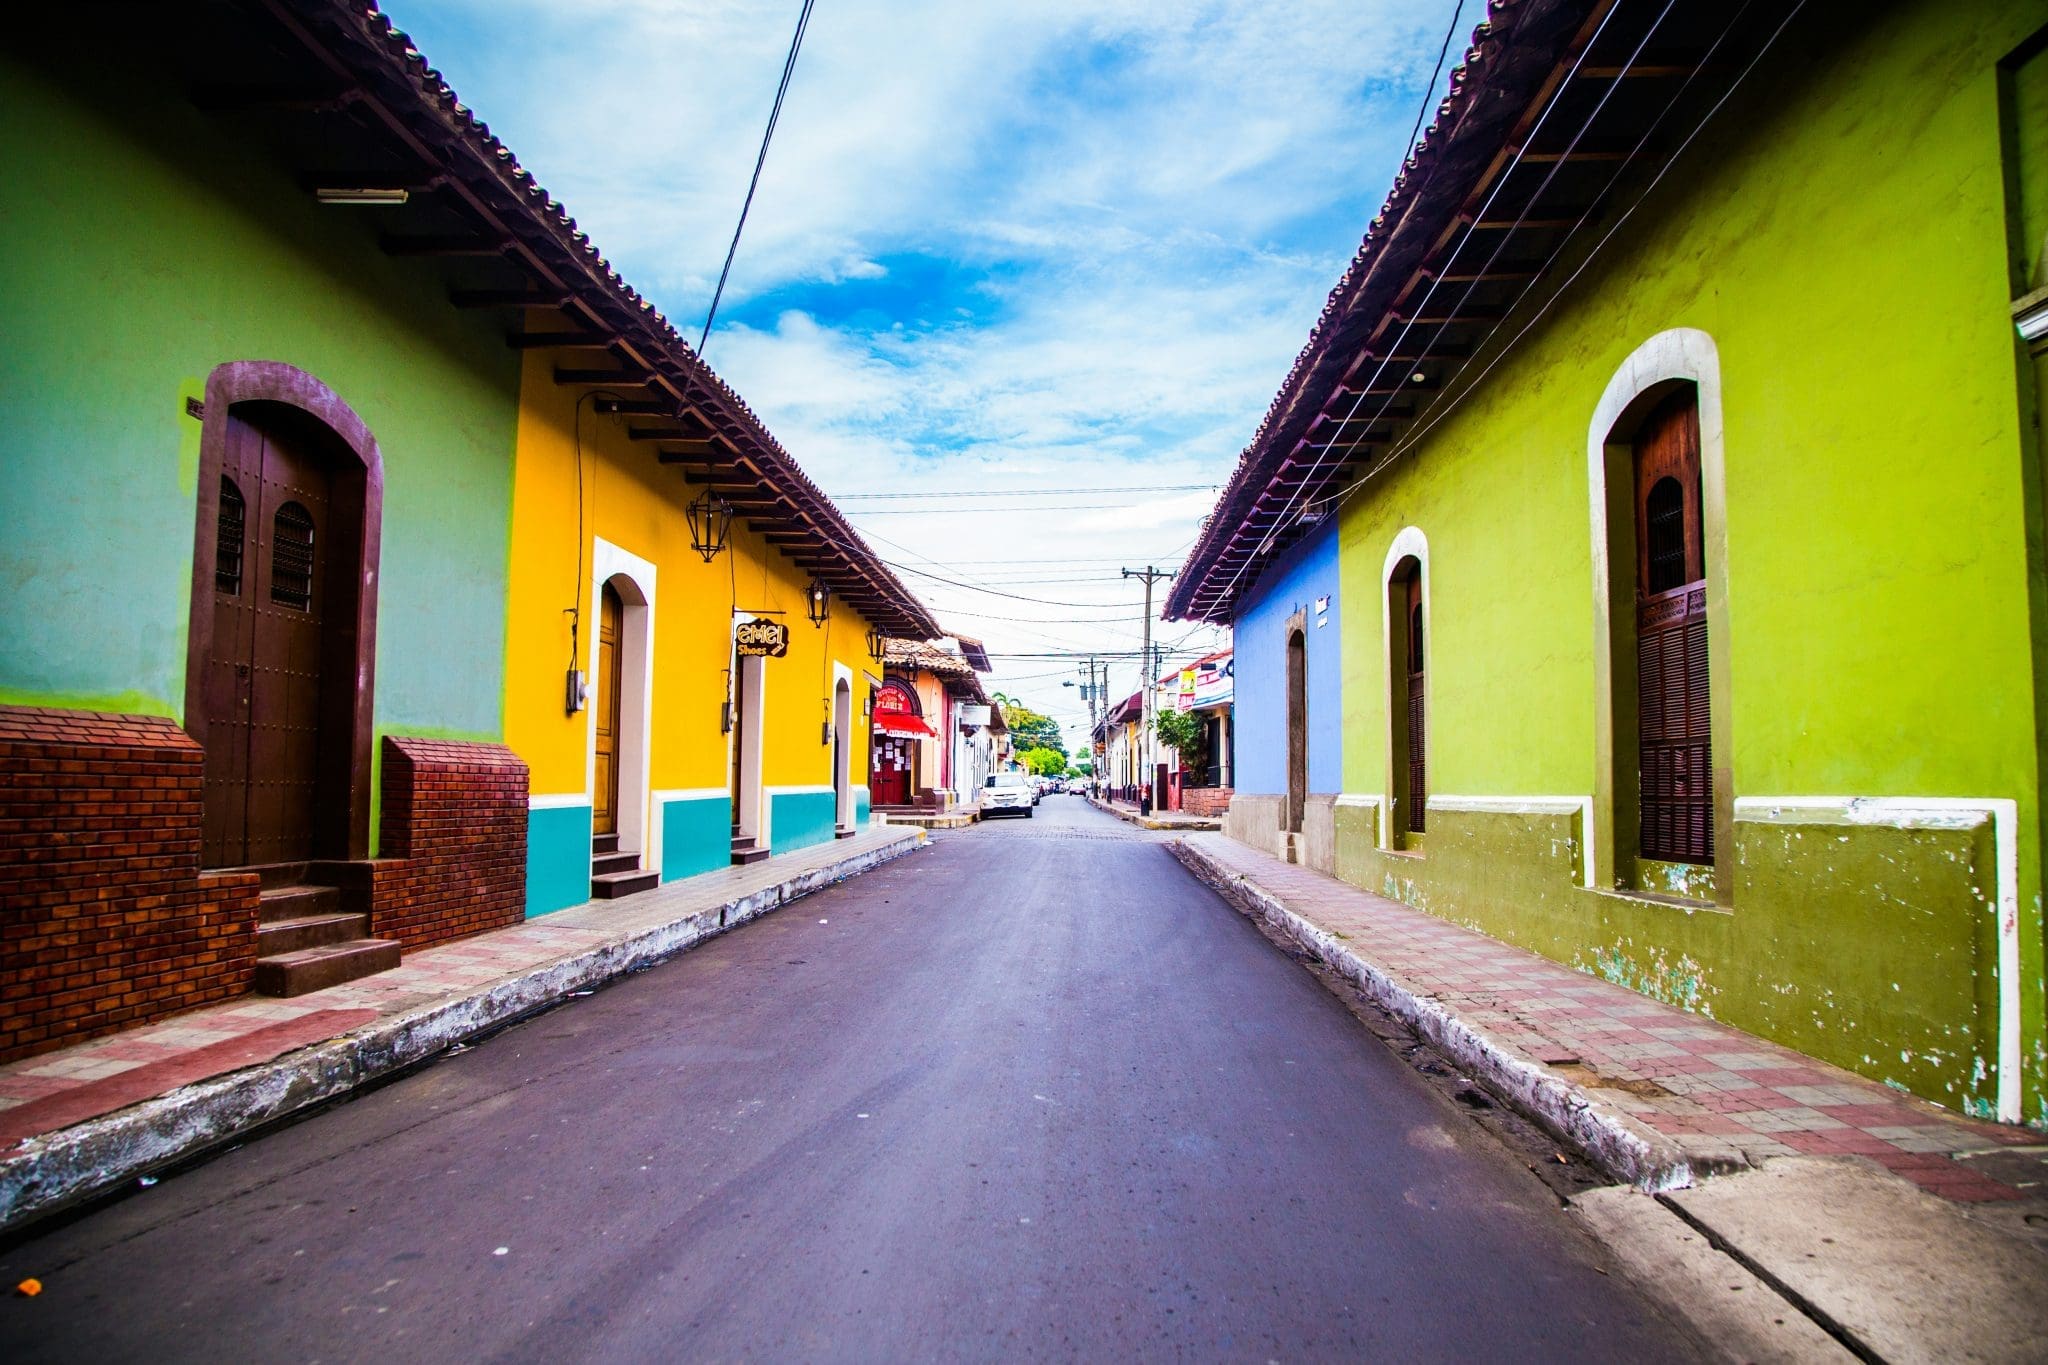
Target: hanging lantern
<point>820,603</point>
<point>710,518</point>
<point>877,643</point>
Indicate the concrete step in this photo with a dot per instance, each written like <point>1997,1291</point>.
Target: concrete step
<point>297,902</point>
<point>275,874</point>
<point>604,843</point>
<point>276,937</point>
<point>746,851</point>
<point>845,832</point>
<point>615,862</point>
<point>609,886</point>
<point>314,969</point>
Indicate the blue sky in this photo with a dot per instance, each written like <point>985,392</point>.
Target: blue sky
<point>1055,246</point>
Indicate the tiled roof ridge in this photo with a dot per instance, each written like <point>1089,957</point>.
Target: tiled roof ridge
<point>1490,37</point>
<point>398,48</point>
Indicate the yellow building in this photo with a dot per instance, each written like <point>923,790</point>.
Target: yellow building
<point>692,629</point>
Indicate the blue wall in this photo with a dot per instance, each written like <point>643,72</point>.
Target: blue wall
<point>800,819</point>
<point>557,858</point>
<point>696,836</point>
<point>1292,583</point>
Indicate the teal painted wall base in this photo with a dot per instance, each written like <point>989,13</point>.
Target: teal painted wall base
<point>862,808</point>
<point>696,836</point>
<point>557,858</point>
<point>799,819</point>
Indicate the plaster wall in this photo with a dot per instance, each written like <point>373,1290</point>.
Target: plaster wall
<point>125,287</point>
<point>1294,583</point>
<point>1881,591</point>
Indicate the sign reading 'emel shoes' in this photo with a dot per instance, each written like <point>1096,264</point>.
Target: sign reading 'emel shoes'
<point>767,639</point>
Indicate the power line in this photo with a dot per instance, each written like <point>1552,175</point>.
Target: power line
<point>1029,492</point>
<point>796,42</point>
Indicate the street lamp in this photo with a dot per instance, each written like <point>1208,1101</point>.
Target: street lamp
<point>877,643</point>
<point>710,518</point>
<point>820,603</point>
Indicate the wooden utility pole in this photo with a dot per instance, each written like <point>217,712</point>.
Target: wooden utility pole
<point>1150,669</point>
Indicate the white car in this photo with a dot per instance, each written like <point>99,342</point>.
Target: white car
<point>1008,794</point>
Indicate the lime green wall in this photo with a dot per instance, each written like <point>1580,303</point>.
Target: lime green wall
<point>146,244</point>
<point>1841,235</point>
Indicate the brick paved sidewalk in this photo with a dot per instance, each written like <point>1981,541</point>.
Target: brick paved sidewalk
<point>435,995</point>
<point>1709,1092</point>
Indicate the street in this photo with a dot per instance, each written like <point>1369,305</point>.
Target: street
<point>1034,1092</point>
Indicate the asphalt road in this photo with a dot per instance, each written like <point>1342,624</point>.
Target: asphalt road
<point>1034,1092</point>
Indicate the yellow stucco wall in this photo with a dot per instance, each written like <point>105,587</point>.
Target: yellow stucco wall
<point>631,501</point>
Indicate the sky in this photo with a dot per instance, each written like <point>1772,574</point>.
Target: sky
<point>1002,257</point>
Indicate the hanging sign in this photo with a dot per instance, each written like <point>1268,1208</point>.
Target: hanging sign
<point>761,639</point>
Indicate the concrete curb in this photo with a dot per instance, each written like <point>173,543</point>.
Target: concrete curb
<point>1622,1148</point>
<point>73,1164</point>
<point>1183,825</point>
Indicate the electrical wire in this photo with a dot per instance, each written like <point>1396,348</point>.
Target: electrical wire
<point>1028,492</point>
<point>796,43</point>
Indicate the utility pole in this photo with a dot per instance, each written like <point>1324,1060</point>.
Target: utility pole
<point>1145,661</point>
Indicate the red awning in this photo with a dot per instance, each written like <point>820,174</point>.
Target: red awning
<point>903,723</point>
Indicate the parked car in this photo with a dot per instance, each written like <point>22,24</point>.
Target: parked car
<point>1008,794</point>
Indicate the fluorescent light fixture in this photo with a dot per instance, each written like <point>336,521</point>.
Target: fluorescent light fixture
<point>374,198</point>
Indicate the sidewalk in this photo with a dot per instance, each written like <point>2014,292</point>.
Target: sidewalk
<point>1165,819</point>
<point>81,1119</point>
<point>1843,1214</point>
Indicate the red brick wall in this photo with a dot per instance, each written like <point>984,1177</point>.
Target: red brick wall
<point>453,850</point>
<point>105,920</point>
<point>1205,801</point>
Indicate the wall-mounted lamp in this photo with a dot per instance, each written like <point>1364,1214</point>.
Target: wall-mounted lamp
<point>877,643</point>
<point>819,604</point>
<point>710,518</point>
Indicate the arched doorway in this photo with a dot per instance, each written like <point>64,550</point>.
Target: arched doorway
<point>1297,729</point>
<point>282,641</point>
<point>842,757</point>
<point>893,779</point>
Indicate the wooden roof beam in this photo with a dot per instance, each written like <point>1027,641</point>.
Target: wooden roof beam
<point>573,341</point>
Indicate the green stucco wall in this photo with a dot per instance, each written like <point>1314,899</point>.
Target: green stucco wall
<point>1841,235</point>
<point>146,244</point>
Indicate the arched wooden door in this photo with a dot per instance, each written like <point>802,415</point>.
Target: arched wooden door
<point>1673,717</point>
<point>611,617</point>
<point>282,590</point>
<point>1297,729</point>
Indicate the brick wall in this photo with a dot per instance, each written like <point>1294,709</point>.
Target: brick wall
<point>1205,801</point>
<point>453,849</point>
<point>105,919</point>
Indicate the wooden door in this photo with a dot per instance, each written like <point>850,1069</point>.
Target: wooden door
<point>263,677</point>
<point>604,813</point>
<point>1418,715</point>
<point>1673,718</point>
<point>1297,730</point>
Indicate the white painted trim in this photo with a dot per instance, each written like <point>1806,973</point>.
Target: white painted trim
<point>1939,812</point>
<point>1582,806</point>
<point>842,746</point>
<point>637,832</point>
<point>558,801</point>
<point>753,807</point>
<point>664,797</point>
<point>1409,543</point>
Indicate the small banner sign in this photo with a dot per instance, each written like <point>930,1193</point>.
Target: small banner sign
<point>763,639</point>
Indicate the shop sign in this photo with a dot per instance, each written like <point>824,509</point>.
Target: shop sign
<point>762,639</point>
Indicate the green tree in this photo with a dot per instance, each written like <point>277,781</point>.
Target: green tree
<point>1044,762</point>
<point>1180,731</point>
<point>1031,729</point>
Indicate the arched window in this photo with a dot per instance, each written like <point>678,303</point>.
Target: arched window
<point>1673,717</point>
<point>1407,700</point>
<point>291,557</point>
<point>228,534</point>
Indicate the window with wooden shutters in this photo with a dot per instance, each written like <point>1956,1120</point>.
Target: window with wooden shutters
<point>1673,718</point>
<point>227,543</point>
<point>291,557</point>
<point>1418,720</point>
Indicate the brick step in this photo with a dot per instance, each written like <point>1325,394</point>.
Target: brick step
<point>314,969</point>
<point>297,902</point>
<point>276,937</point>
<point>604,843</point>
<point>615,862</point>
<point>746,851</point>
<point>609,886</point>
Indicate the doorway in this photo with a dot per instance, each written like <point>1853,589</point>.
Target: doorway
<point>842,756</point>
<point>749,723</point>
<point>279,649</point>
<point>604,812</point>
<point>1297,729</point>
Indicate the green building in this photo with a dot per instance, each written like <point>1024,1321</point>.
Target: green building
<point>1678,422</point>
